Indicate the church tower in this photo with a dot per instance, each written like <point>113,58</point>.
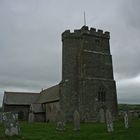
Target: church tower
<point>87,74</point>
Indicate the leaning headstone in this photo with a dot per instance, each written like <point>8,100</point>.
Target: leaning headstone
<point>101,115</point>
<point>126,124</point>
<point>60,121</point>
<point>109,121</point>
<point>31,117</point>
<point>10,121</point>
<point>76,120</point>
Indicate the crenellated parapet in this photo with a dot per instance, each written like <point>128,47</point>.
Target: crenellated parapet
<point>85,31</point>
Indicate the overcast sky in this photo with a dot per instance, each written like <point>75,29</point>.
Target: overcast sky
<point>30,41</point>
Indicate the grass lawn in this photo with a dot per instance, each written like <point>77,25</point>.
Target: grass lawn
<point>89,131</point>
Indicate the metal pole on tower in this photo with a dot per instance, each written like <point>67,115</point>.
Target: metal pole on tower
<point>84,18</point>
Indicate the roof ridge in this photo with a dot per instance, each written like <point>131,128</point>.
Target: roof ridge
<point>11,92</point>
<point>49,88</point>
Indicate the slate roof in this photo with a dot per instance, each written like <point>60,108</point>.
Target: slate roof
<point>49,95</point>
<point>37,108</point>
<point>20,98</point>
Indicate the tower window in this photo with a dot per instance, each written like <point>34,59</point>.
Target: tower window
<point>101,95</point>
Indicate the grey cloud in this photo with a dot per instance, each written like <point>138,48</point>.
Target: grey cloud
<point>128,90</point>
<point>125,44</point>
<point>30,39</point>
<point>131,13</point>
<point>1,98</point>
<point>27,48</point>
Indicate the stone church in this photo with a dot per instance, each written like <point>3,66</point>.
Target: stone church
<point>87,85</point>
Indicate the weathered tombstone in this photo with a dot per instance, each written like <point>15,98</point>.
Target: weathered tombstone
<point>126,124</point>
<point>31,117</point>
<point>10,121</point>
<point>136,114</point>
<point>101,115</point>
<point>130,116</point>
<point>76,120</point>
<point>1,117</point>
<point>109,121</point>
<point>86,116</point>
<point>60,121</point>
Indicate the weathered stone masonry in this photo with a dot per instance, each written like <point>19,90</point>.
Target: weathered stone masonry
<point>87,74</point>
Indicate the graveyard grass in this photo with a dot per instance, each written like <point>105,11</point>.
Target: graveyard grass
<point>89,131</point>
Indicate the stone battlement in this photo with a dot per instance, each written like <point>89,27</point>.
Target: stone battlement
<point>85,31</point>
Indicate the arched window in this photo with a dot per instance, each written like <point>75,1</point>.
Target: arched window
<point>102,95</point>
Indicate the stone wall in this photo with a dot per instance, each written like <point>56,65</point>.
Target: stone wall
<point>51,111</point>
<point>39,117</point>
<point>95,64</point>
<point>90,104</point>
<point>22,110</point>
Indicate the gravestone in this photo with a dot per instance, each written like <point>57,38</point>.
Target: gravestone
<point>86,116</point>
<point>31,117</point>
<point>109,121</point>
<point>136,114</point>
<point>126,125</point>
<point>101,115</point>
<point>76,120</point>
<point>60,121</point>
<point>10,121</point>
<point>1,117</point>
<point>130,116</point>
